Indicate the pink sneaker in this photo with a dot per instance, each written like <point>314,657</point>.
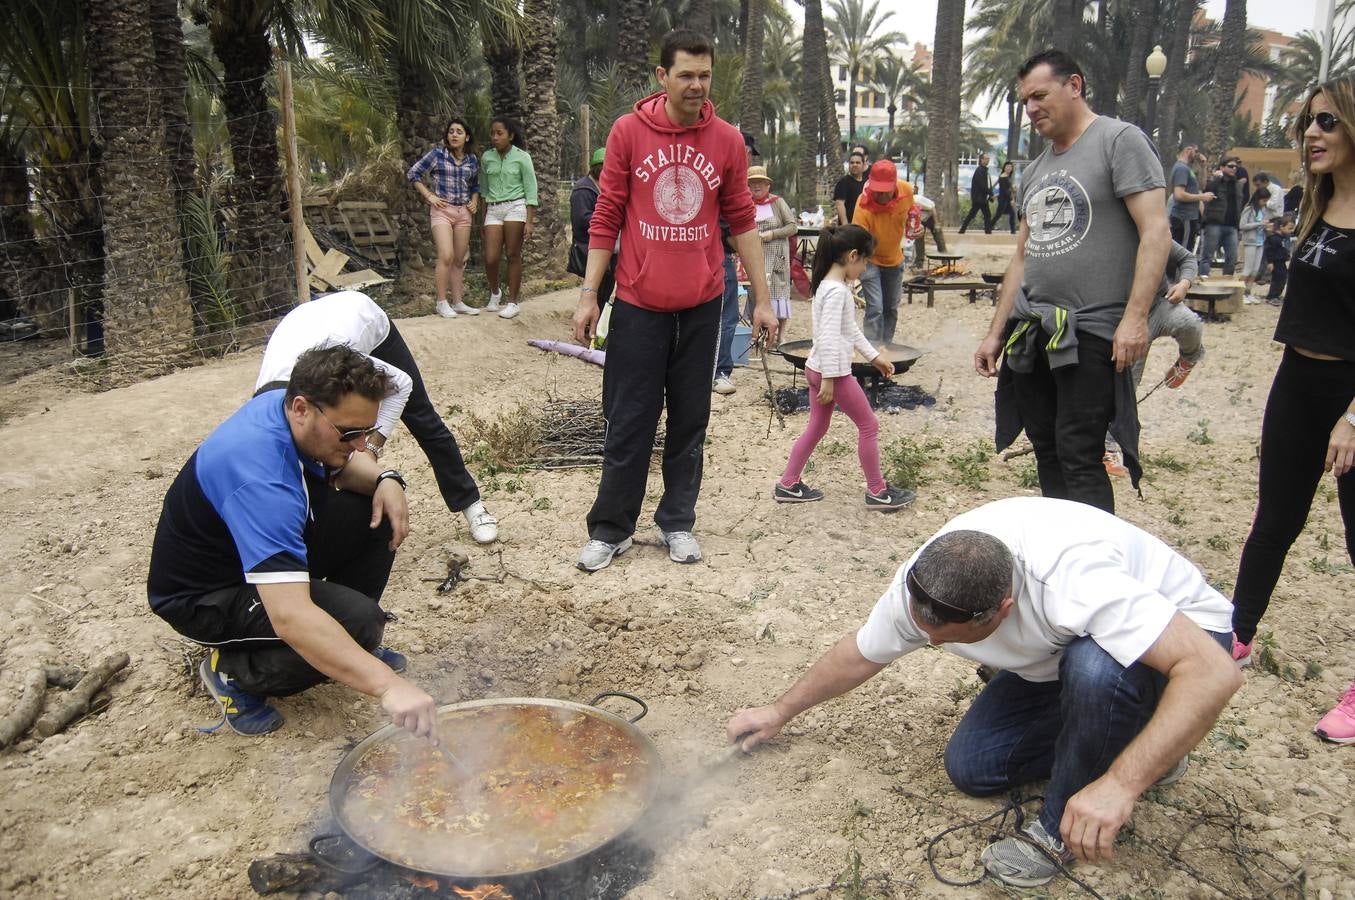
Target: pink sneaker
<point>1338,726</point>
<point>1242,652</point>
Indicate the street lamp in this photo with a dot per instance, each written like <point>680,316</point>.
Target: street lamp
<point>1156,64</point>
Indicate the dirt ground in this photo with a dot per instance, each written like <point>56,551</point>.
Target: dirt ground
<point>135,802</point>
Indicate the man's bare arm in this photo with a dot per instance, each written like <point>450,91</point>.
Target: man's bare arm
<point>1200,679</point>
<point>841,207</point>
<point>331,650</point>
<point>835,673</point>
<point>1149,212</point>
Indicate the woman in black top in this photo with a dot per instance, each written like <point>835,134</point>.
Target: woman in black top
<point>1309,424</point>
<point>1004,196</point>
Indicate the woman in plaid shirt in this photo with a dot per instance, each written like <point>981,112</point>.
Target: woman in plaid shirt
<point>452,202</point>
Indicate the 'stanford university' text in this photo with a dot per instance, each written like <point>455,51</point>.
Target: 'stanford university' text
<point>675,233</point>
<point>678,153</point>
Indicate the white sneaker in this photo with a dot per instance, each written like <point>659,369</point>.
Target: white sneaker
<point>509,311</point>
<point>493,304</point>
<point>484,528</point>
<point>1250,300</point>
<point>460,308</point>
<point>597,555</point>
<point>723,385</point>
<point>445,310</point>
<point>682,546</point>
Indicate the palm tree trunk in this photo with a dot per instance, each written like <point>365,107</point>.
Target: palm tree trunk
<point>418,129</point>
<point>809,101</point>
<point>148,321</point>
<point>832,132</point>
<point>540,54</point>
<point>633,53</point>
<point>1067,24</point>
<point>260,273</point>
<point>750,92</point>
<point>1143,14</point>
<point>1223,97</point>
<point>1014,112</point>
<point>851,106</point>
<point>943,107</point>
<point>1169,91</point>
<point>504,59</point>
<point>702,17</point>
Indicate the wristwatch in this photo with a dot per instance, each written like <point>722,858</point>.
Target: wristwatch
<point>1349,416</point>
<point>375,450</point>
<point>393,475</point>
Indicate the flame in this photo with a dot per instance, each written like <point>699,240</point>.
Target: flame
<point>425,882</point>
<point>484,892</point>
<point>945,270</point>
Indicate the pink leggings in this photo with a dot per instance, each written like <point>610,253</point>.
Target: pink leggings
<point>847,395</point>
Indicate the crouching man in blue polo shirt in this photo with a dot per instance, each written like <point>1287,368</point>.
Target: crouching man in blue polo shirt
<point>275,543</point>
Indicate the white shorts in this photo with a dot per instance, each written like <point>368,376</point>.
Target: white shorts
<point>507,211</point>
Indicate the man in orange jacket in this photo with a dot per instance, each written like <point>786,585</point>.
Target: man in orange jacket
<point>883,211</point>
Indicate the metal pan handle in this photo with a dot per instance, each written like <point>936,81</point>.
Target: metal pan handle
<point>644,707</point>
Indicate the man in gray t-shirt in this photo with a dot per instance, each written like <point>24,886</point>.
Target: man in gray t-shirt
<point>1184,212</point>
<point>1073,309</point>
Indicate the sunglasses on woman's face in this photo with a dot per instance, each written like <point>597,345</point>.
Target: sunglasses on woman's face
<point>1326,122</point>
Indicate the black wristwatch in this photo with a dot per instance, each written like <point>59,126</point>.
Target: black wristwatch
<point>393,475</point>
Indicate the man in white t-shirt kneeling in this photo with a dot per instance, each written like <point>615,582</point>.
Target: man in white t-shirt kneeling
<point>1112,651</point>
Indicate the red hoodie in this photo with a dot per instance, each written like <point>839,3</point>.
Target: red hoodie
<point>665,188</point>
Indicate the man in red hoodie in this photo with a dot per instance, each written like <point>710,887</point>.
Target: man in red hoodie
<point>673,170</point>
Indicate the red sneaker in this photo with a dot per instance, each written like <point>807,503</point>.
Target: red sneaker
<point>1114,463</point>
<point>1179,372</point>
<point>1242,652</point>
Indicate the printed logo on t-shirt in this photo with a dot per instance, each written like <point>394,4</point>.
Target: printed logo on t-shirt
<point>1319,246</point>
<point>678,194</point>
<point>1058,213</point>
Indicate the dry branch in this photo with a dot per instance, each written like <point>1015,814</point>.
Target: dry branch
<point>296,872</point>
<point>77,702</point>
<point>64,677</point>
<point>13,726</point>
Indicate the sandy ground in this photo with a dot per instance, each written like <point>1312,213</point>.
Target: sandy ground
<point>135,802</point>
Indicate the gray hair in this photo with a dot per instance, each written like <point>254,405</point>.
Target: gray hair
<point>967,570</point>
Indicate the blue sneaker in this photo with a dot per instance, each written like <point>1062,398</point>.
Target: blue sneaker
<point>392,658</point>
<point>245,713</point>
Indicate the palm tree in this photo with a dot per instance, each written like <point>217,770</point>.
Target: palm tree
<point>812,88</point>
<point>857,37</point>
<point>148,318</point>
<point>750,93</point>
<point>901,83</point>
<point>1232,47</point>
<point>943,109</point>
<point>1176,44</point>
<point>781,72</point>
<point>1006,38</point>
<point>540,51</point>
<point>24,271</point>
<point>632,42</point>
<point>1300,63</point>
<point>1142,16</point>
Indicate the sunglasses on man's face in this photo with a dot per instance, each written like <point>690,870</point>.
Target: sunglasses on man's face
<point>346,435</point>
<point>1326,122</point>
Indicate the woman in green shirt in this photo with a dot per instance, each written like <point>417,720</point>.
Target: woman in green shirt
<point>508,182</point>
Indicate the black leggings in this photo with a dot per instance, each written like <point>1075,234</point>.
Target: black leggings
<point>1306,399</point>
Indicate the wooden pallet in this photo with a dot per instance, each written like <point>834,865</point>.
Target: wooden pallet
<point>325,268</point>
<point>367,227</point>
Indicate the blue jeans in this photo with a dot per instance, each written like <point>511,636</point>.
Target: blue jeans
<point>1020,731</point>
<point>729,320</point>
<point>883,286</point>
<point>1214,237</point>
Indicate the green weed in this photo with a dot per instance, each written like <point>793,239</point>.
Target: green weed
<point>1201,433</point>
<point>905,460</point>
<point>971,466</point>
<point>1164,461</point>
<point>1219,542</point>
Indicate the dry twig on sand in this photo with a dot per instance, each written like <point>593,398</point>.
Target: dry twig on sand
<point>13,726</point>
<point>78,701</point>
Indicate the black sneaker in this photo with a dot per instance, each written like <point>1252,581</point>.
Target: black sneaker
<point>801,493</point>
<point>890,499</point>
<point>393,658</point>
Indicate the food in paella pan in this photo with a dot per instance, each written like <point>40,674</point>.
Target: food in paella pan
<point>536,785</point>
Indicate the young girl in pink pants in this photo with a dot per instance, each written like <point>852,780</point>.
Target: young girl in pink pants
<point>840,257</point>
